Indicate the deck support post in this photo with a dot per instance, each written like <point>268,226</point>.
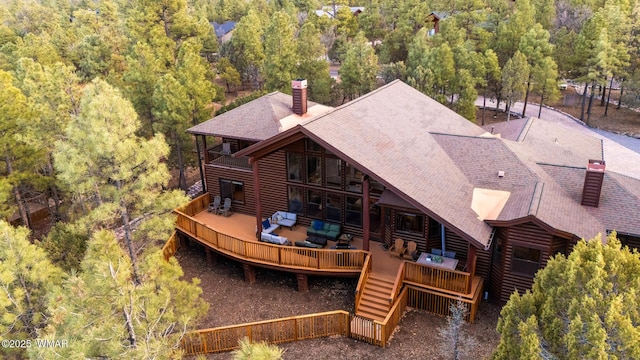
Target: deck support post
<point>365,212</point>
<point>303,283</point>
<point>204,185</point>
<point>256,191</point>
<point>249,273</point>
<point>212,257</point>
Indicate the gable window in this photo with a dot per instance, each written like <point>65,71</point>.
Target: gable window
<point>334,172</point>
<point>525,260</point>
<point>233,190</point>
<point>334,207</point>
<point>314,170</point>
<point>353,179</point>
<point>354,211</point>
<point>313,146</point>
<point>294,167</point>
<point>314,204</point>
<point>410,223</point>
<point>295,200</point>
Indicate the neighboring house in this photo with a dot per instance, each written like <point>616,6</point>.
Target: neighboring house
<point>395,163</point>
<point>435,17</point>
<point>224,31</point>
<point>329,11</point>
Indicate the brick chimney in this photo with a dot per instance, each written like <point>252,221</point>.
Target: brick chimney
<point>593,183</point>
<point>299,88</point>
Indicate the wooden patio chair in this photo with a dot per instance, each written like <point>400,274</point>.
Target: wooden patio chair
<point>412,251</point>
<point>215,205</point>
<point>226,208</point>
<point>398,248</point>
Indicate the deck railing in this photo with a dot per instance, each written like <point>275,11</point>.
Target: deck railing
<point>379,332</point>
<point>438,303</point>
<point>276,331</point>
<point>293,258</point>
<point>364,276</point>
<point>170,247</point>
<point>217,156</point>
<point>196,205</point>
<point>453,281</point>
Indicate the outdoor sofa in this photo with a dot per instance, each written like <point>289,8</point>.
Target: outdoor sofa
<point>324,229</point>
<point>284,218</point>
<point>274,239</point>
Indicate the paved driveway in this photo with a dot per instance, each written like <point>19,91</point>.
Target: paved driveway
<point>622,153</point>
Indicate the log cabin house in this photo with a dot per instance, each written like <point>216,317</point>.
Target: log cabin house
<point>395,163</point>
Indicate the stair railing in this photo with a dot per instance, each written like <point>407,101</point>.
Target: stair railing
<point>397,284</point>
<point>364,276</point>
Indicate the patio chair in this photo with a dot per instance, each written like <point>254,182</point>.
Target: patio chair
<point>398,248</point>
<point>412,250</point>
<point>215,205</point>
<point>449,254</point>
<point>436,251</point>
<point>226,208</point>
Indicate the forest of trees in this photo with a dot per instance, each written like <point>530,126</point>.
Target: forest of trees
<point>95,98</point>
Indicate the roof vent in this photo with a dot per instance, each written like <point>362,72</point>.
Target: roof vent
<point>593,183</point>
<point>299,91</point>
<point>500,174</point>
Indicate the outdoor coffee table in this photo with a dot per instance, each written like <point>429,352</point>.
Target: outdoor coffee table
<point>317,240</point>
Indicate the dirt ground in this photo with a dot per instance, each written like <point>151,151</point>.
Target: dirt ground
<point>274,295</point>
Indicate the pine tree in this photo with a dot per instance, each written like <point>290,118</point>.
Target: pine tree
<point>26,277</point>
<point>116,176</point>
<point>360,68</point>
<point>280,52</point>
<point>514,77</point>
<point>311,65</point>
<point>103,312</point>
<point>583,306</point>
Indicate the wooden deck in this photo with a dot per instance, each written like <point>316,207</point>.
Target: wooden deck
<point>415,285</point>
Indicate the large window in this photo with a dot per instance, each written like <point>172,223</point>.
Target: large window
<point>410,223</point>
<point>353,179</point>
<point>295,200</point>
<point>314,169</point>
<point>334,172</point>
<point>314,204</point>
<point>354,211</point>
<point>294,167</point>
<point>525,260</point>
<point>334,207</point>
<point>233,190</point>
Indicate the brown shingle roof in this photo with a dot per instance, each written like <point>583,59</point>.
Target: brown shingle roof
<point>388,132</point>
<point>257,120</point>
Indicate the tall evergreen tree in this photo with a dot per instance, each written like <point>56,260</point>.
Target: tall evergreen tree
<point>26,277</point>
<point>514,77</point>
<point>104,312</point>
<point>311,64</point>
<point>280,52</point>
<point>360,68</point>
<point>116,176</point>
<point>583,306</point>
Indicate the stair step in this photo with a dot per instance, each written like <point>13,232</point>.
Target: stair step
<point>372,314</point>
<point>378,287</point>
<point>375,297</point>
<point>370,305</point>
<point>381,281</point>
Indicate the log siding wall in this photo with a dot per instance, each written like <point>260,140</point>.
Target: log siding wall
<point>213,174</point>
<point>529,235</point>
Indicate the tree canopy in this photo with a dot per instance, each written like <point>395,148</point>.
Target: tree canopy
<point>581,306</point>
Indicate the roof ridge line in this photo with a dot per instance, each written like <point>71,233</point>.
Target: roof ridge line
<point>523,133</point>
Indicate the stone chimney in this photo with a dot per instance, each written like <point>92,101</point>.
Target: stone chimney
<point>593,183</point>
<point>299,88</point>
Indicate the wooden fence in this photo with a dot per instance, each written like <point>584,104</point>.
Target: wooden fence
<point>271,331</point>
<point>292,258</point>
<point>439,303</point>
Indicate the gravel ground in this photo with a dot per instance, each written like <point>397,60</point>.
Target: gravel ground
<point>274,295</point>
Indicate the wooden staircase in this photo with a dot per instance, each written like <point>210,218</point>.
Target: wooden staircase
<point>374,303</point>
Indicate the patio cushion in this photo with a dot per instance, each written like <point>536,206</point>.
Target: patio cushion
<point>317,225</point>
<point>266,224</point>
<point>334,227</point>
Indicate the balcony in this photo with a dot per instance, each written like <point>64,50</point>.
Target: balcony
<point>221,157</point>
